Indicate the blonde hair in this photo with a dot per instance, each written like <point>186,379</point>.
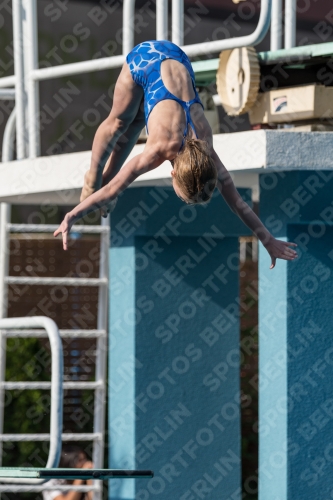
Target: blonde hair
<point>195,171</point>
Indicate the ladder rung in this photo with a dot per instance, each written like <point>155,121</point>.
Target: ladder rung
<point>88,436</point>
<point>50,228</point>
<point>63,333</point>
<point>11,488</point>
<point>79,385</point>
<point>29,280</point>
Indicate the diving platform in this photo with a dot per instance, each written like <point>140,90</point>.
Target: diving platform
<point>58,179</point>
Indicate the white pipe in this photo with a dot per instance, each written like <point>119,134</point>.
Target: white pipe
<point>66,436</point>
<point>177,28</point>
<point>8,140</point>
<point>50,228</point>
<point>78,68</point>
<point>35,280</point>
<point>7,94</point>
<point>4,259</point>
<point>45,487</point>
<point>276,25</point>
<point>101,351</point>
<point>57,373</point>
<point>19,74</point>
<point>5,211</point>
<point>192,50</point>
<point>128,25</point>
<point>7,81</point>
<point>31,63</point>
<point>161,19</point>
<point>290,24</point>
<point>232,43</point>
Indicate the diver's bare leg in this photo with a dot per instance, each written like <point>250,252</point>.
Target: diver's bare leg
<point>126,103</point>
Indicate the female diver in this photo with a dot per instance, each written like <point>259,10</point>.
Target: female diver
<point>159,74</point>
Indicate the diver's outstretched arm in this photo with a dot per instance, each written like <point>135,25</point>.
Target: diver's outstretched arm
<point>140,164</point>
<point>275,248</point>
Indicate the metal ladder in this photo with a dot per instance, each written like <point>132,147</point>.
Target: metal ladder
<point>99,385</point>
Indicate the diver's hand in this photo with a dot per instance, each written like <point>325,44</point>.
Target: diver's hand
<point>65,228</point>
<point>278,249</point>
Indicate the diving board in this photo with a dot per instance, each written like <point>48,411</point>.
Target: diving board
<point>72,474</point>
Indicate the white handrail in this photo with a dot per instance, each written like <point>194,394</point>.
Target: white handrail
<point>35,75</point>
<point>50,228</point>
<point>7,81</point>
<point>19,74</point>
<point>191,50</point>
<point>38,489</point>
<point>30,34</point>
<point>162,20</point>
<point>177,29</point>
<point>101,347</point>
<point>79,67</point>
<point>57,373</point>
<point>256,37</point>
<point>4,260</point>
<point>128,25</point>
<point>276,25</point>
<point>8,138</point>
<point>87,436</point>
<point>290,24</point>
<point>7,94</point>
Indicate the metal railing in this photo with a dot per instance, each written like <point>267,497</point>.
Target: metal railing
<point>56,387</point>
<point>27,73</point>
<point>99,333</point>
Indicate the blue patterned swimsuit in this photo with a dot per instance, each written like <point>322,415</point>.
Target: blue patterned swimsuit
<point>144,62</point>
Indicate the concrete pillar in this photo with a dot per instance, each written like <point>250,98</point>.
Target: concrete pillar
<point>174,346</point>
<point>296,339</point>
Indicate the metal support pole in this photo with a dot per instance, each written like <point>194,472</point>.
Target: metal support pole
<point>19,75</point>
<point>290,24</point>
<point>276,25</point>
<point>7,81</point>
<point>8,138</point>
<point>30,37</point>
<point>177,28</point>
<point>101,350</point>
<point>7,94</point>
<point>4,260</point>
<point>162,20</point>
<point>57,375</point>
<point>128,25</point>
<point>5,212</point>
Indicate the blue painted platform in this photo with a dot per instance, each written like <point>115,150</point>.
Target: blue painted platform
<point>296,340</point>
<point>174,345</point>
